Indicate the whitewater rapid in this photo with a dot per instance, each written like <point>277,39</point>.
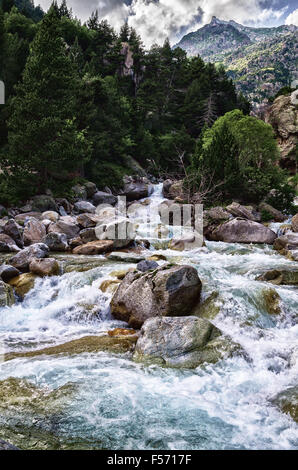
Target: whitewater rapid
<point>118,404</point>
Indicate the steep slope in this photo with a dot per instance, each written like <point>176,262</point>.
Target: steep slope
<point>259,60</point>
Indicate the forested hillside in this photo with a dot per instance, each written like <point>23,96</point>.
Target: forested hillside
<point>81,101</point>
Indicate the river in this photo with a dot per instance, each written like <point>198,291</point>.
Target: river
<point>106,401</point>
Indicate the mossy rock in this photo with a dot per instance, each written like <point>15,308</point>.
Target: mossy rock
<point>209,308</point>
<point>287,402</point>
<point>272,301</point>
<point>6,295</point>
<point>23,284</point>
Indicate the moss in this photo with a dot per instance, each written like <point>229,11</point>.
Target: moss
<point>272,301</point>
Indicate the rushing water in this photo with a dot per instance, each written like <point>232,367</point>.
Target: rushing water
<point>110,402</point>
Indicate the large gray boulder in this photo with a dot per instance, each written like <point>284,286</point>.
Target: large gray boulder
<point>56,241</point>
<point>101,197</point>
<point>243,231</point>
<point>287,242</point>
<point>43,203</point>
<point>6,295</point>
<point>22,259</point>
<point>84,207</point>
<point>7,244</point>
<point>167,291</point>
<point>121,231</point>
<point>69,229</point>
<point>135,189</point>
<point>274,213</point>
<point>247,212</point>
<point>182,342</point>
<point>12,229</point>
<point>34,232</point>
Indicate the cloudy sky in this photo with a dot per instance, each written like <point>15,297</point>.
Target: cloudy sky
<point>157,19</point>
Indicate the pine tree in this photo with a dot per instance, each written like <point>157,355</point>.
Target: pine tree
<point>43,138</point>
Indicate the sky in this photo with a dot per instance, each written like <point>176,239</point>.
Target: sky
<point>155,20</point>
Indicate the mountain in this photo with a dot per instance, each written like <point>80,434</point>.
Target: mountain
<point>260,60</point>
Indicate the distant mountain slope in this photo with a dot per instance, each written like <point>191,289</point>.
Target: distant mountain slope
<point>260,60</point>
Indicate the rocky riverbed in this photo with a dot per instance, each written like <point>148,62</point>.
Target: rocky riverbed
<point>147,344</point>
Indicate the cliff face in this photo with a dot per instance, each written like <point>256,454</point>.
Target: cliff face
<point>283,116</point>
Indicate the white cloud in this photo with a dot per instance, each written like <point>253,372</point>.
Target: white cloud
<point>293,18</point>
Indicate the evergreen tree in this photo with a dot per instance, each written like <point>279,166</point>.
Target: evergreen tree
<point>44,139</point>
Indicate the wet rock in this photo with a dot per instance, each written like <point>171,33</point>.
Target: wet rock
<point>276,215</point>
<point>210,307</point>
<point>109,286</point>
<point>243,231</point>
<point>34,232</point>
<point>44,267</point>
<point>287,402</point>
<point>280,277</point>
<point>23,284</point>
<point>287,242</point>
<point>135,189</point>
<point>43,203</point>
<point>167,291</point>
<point>56,241</point>
<point>157,257</point>
<point>50,215</point>
<point>84,207</point>
<point>22,259</point>
<point>272,301</point>
<point>8,272</point>
<point>146,265</point>
<point>94,248</point>
<point>120,274</point>
<point>246,212</point>
<point>121,332</point>
<point>88,344</point>
<point>7,244</point>
<point>69,229</point>
<point>6,295</point>
<point>101,197</point>
<point>295,223</point>
<point>125,257</point>
<point>186,342</point>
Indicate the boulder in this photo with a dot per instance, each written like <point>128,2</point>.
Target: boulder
<point>6,295</point>
<point>295,223</point>
<point>147,265</point>
<point>7,272</point>
<point>182,342</point>
<point>79,192</point>
<point>166,187</point>
<point>34,232</point>
<point>97,247</point>
<point>74,242</point>
<point>50,215</point>
<point>272,301</point>
<point>90,189</point>
<point>287,402</point>
<point>44,267</point>
<point>243,231</point>
<point>109,286</point>
<point>88,220</point>
<point>135,189</point>
<point>21,219</point>
<point>287,242</point>
<point>101,197</point>
<point>167,291</point>
<point>12,229</point>
<point>56,241</point>
<point>173,189</point>
<point>23,284</point>
<point>276,215</point>
<point>87,235</point>
<point>22,259</point>
<point>6,446</point>
<point>217,214</point>
<point>69,229</point>
<point>280,277</point>
<point>7,244</point>
<point>43,203</point>
<point>84,207</point>
<point>246,212</point>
